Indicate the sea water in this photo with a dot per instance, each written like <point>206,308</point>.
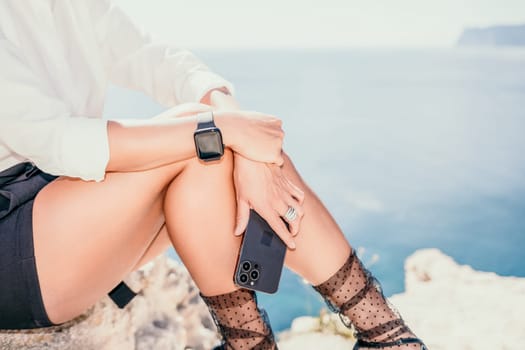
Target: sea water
<point>407,148</point>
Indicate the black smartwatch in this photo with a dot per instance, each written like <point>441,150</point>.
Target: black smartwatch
<point>208,138</point>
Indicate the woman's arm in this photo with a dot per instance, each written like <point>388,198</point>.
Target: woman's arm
<point>169,74</point>
<point>148,143</point>
<point>36,125</point>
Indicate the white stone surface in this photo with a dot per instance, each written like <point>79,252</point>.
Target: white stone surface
<point>316,341</point>
<point>168,314</point>
<point>449,306</point>
<point>452,306</point>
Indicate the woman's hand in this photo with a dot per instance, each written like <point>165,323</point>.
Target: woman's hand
<point>256,136</point>
<point>264,188</point>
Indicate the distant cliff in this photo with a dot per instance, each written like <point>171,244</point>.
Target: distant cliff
<point>493,36</point>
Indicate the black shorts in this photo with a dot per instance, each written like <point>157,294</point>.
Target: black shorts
<point>21,305</point>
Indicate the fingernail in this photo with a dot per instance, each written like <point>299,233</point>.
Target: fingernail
<point>291,245</point>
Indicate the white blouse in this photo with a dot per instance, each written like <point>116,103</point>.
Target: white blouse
<point>56,59</point>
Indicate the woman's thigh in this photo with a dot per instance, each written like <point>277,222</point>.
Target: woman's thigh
<point>89,235</point>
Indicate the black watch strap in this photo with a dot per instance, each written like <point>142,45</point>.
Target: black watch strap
<point>205,120</point>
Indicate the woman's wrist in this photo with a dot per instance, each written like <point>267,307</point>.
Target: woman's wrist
<point>224,121</point>
<point>221,100</point>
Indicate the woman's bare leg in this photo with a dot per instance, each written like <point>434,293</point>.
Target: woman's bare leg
<point>158,246</point>
<point>321,245</point>
<point>88,236</point>
<point>195,202</point>
<point>323,256</point>
<point>328,256</point>
<point>200,218</point>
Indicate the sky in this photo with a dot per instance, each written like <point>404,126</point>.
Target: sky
<point>317,23</point>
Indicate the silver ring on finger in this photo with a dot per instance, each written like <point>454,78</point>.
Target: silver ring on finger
<point>291,214</point>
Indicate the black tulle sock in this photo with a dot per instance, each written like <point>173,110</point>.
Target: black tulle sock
<point>357,296</point>
<point>242,324</point>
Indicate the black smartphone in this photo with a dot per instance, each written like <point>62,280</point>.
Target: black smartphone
<point>261,257</point>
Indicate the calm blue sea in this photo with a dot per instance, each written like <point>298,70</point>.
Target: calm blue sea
<point>408,149</point>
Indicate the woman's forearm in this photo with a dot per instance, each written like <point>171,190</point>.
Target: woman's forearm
<point>140,144</point>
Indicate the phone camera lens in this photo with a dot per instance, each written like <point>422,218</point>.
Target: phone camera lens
<point>243,278</point>
<point>254,275</point>
<point>246,266</point>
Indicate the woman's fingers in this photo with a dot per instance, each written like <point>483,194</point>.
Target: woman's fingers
<point>278,225</point>
<point>290,202</point>
<point>295,191</point>
<point>287,200</point>
<point>243,216</point>
<point>264,188</point>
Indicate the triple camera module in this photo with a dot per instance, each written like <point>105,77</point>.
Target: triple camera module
<point>249,273</point>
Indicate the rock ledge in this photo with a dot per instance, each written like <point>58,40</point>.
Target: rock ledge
<point>167,314</point>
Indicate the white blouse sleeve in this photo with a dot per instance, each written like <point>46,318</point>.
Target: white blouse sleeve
<point>37,126</point>
<point>168,74</point>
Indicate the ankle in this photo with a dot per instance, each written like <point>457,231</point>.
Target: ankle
<point>386,332</point>
<point>358,298</point>
<point>242,324</point>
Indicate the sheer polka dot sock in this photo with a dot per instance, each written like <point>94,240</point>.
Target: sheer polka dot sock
<point>357,296</point>
<point>242,324</point>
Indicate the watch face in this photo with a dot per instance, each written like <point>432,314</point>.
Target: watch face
<point>209,144</point>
